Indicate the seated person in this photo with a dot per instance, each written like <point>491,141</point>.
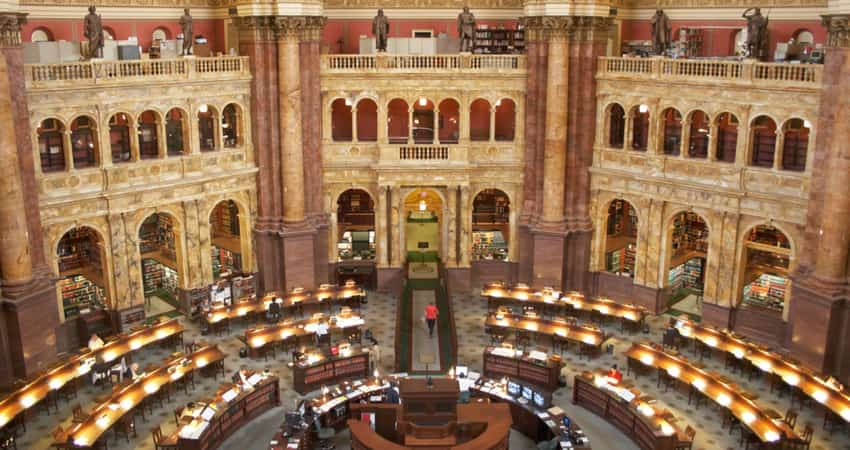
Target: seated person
<point>321,332</point>
<point>273,314</point>
<point>392,395</point>
<point>464,383</point>
<point>95,342</point>
<point>133,372</point>
<point>374,354</point>
<point>241,375</point>
<point>614,375</point>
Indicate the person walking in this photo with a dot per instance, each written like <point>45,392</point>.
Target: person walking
<point>431,313</point>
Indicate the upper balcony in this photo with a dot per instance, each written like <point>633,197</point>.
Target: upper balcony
<point>702,71</point>
<point>116,73</point>
<point>449,64</point>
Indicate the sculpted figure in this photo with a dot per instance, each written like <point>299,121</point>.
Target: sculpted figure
<point>186,27</point>
<point>381,29</point>
<point>756,32</point>
<point>466,29</point>
<point>660,32</point>
<point>94,33</point>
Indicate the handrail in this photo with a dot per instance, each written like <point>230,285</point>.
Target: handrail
<point>746,71</point>
<point>419,63</point>
<point>100,72</point>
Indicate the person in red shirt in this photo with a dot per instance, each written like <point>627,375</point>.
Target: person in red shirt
<point>431,314</point>
<point>614,374</point>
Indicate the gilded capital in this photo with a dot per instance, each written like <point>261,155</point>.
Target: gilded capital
<point>255,28</point>
<point>580,28</point>
<point>308,28</point>
<point>10,28</point>
<point>837,30</point>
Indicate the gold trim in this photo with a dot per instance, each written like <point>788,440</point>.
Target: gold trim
<point>837,30</point>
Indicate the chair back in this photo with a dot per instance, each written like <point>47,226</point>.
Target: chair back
<point>808,432</point>
<point>791,418</point>
<point>157,435</point>
<point>690,432</point>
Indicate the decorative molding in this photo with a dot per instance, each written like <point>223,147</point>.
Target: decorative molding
<point>10,28</point>
<point>389,4</point>
<point>837,30</point>
<point>255,28</point>
<point>743,4</point>
<point>578,28</point>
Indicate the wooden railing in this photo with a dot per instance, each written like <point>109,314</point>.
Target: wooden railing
<point>746,71</point>
<point>420,63</point>
<point>117,72</point>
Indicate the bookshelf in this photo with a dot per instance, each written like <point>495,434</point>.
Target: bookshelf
<point>79,293</point>
<point>767,291</point>
<point>543,374</point>
<point>50,146</point>
<point>77,249</point>
<point>308,378</point>
<point>151,275</point>
<point>689,233</point>
<point>499,41</point>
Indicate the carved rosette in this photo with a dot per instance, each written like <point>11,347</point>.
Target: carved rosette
<point>10,28</point>
<point>576,28</point>
<point>837,30</point>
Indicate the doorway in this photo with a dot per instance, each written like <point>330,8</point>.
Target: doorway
<point>423,210</point>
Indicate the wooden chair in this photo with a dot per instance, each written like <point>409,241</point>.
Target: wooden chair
<point>178,412</point>
<point>8,440</point>
<point>267,349</point>
<point>791,417</point>
<point>58,434</point>
<point>79,416</point>
<point>805,440</point>
<point>687,444</point>
<point>70,389</point>
<point>163,443</point>
<point>126,425</point>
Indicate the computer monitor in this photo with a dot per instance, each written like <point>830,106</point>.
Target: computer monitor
<point>462,370</point>
<point>567,422</point>
<point>539,399</point>
<point>513,388</point>
<point>527,393</point>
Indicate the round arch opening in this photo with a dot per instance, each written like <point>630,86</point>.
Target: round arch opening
<point>766,268</point>
<point>490,225</point>
<point>356,226</point>
<point>423,211</point>
<point>687,253</point>
<point>82,271</point>
<point>226,240</point>
<point>159,247</point>
<point>621,231</point>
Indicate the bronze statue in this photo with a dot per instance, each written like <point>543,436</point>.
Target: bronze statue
<point>381,29</point>
<point>756,32</point>
<point>466,30</point>
<point>660,32</point>
<point>186,26</point>
<point>94,33</point>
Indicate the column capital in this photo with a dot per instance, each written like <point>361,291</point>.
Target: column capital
<point>581,28</point>
<point>305,28</point>
<point>10,28</point>
<point>837,30</point>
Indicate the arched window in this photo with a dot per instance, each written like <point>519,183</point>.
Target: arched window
<point>159,34</point>
<point>423,121</point>
<point>207,130</point>
<point>341,129</point>
<point>449,121</point>
<point>621,238</point>
<point>109,34</point>
<point>367,120</point>
<point>505,120</point>
<point>41,34</point>
<point>231,125</point>
<point>805,37</point>
<point>672,131</point>
<point>640,128</point>
<point>698,141</point>
<point>616,126</point>
<point>51,145</point>
<point>398,127</point>
<point>176,132</point>
<point>148,135</point>
<point>479,120</point>
<point>119,138</point>
<point>795,144</point>
<point>85,147</point>
<point>764,142</point>
<point>356,225</point>
<point>767,264</point>
<point>491,225</point>
<point>727,137</point>
<point>82,263</point>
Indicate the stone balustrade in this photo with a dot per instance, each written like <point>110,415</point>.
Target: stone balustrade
<point>421,156</point>
<point>746,72</point>
<point>423,63</point>
<point>91,73</point>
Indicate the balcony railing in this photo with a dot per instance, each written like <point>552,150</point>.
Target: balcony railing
<point>743,72</point>
<point>422,63</point>
<point>87,73</point>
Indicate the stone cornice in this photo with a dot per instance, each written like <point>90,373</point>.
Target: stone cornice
<point>10,28</point>
<point>576,28</point>
<point>743,4</point>
<point>837,30</point>
<point>389,4</point>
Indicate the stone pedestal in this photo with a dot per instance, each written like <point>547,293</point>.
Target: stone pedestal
<point>390,279</point>
<point>299,258</point>
<point>549,258</point>
<point>30,317</point>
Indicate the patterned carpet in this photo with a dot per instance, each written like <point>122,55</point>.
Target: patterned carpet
<point>469,313</point>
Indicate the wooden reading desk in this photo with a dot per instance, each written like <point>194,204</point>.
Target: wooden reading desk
<point>588,338</point>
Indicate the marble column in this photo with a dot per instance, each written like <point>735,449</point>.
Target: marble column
<point>820,286</point>
<point>451,218</point>
<point>554,165</point>
<point>291,151</point>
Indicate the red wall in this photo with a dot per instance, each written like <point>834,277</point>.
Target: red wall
<point>718,42</point>
<point>351,30</point>
<point>72,30</point>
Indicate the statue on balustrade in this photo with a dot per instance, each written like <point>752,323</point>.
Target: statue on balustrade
<point>660,32</point>
<point>94,33</point>
<point>756,32</point>
<point>186,27</point>
<point>381,29</point>
<point>466,30</point>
